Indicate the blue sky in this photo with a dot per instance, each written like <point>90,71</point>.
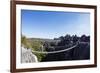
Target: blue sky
<point>52,24</point>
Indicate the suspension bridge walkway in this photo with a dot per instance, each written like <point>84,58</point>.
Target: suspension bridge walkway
<point>59,51</point>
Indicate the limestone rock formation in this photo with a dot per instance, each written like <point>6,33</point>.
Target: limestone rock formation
<point>27,56</point>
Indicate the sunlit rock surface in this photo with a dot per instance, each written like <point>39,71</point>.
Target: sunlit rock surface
<point>27,56</point>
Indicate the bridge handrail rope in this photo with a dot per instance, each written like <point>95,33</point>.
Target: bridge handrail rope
<point>56,51</point>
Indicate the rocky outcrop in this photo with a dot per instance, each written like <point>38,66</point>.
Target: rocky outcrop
<point>27,56</point>
<point>80,52</point>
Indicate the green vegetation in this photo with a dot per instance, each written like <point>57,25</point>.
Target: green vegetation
<point>62,42</point>
<point>25,42</point>
<point>35,45</point>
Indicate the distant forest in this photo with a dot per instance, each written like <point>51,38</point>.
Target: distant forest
<point>81,52</point>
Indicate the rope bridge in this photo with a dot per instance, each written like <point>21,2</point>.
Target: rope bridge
<point>56,51</point>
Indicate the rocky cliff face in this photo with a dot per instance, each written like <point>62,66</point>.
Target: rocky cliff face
<point>27,56</point>
<point>80,52</point>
